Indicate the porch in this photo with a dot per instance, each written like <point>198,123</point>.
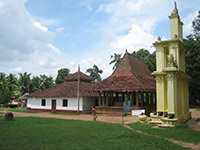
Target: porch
<point>117,110</point>
<point>112,102</point>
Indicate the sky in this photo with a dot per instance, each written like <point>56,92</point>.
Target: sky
<point>43,36</point>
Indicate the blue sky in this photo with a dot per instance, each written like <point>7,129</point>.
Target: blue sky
<point>42,36</point>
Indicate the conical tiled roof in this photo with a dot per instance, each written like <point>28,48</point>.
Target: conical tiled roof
<point>130,75</point>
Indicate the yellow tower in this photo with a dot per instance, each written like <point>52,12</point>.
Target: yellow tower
<point>171,79</point>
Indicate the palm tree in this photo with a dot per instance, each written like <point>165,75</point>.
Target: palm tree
<point>5,93</point>
<point>12,81</point>
<point>2,81</point>
<point>36,83</point>
<point>116,60</point>
<point>46,82</point>
<point>95,73</point>
<point>24,82</point>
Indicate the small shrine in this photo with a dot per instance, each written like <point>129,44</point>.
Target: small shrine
<point>171,80</point>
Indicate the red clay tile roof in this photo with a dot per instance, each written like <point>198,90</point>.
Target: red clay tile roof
<point>69,88</point>
<point>74,77</point>
<point>130,75</point>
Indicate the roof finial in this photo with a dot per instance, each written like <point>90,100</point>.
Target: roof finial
<point>126,51</point>
<point>175,11</point>
<point>175,4</point>
<point>78,68</point>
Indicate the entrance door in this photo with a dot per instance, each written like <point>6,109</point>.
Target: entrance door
<point>53,104</point>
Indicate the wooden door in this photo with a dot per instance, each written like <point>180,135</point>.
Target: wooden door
<point>53,104</point>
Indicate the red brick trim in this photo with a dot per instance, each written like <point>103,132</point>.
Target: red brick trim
<point>57,111</point>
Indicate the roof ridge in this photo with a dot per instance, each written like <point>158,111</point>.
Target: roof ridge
<point>137,80</point>
<point>74,77</point>
<point>133,74</point>
<point>130,63</point>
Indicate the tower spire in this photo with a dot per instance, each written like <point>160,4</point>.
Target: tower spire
<point>175,11</point>
<point>176,25</point>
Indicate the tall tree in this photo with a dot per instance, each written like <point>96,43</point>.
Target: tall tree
<point>47,82</point>
<point>95,73</point>
<point>12,81</point>
<point>196,28</point>
<point>142,53</point>
<point>5,93</point>
<point>115,59</point>
<point>36,84</point>
<point>3,82</point>
<point>192,60</point>
<point>62,74</point>
<point>24,82</point>
<point>149,59</point>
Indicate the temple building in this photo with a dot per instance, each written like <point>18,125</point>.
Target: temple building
<point>171,79</point>
<point>131,79</point>
<point>75,95</point>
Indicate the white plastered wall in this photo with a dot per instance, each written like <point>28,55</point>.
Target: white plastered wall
<point>36,103</point>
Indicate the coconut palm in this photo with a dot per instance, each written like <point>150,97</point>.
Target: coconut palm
<point>12,81</point>
<point>116,59</point>
<point>24,82</point>
<point>3,81</point>
<point>95,73</point>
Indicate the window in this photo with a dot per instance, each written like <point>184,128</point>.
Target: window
<point>65,102</point>
<point>43,102</point>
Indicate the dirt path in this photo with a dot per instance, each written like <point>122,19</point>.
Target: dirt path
<point>101,118</point>
<point>117,119</point>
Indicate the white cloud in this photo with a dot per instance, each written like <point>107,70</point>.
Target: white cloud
<point>55,49</point>
<point>26,44</point>
<point>38,25</point>
<point>136,38</point>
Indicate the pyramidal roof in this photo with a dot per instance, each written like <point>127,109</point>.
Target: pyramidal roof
<point>69,88</point>
<point>131,74</point>
<point>132,64</point>
<point>76,75</point>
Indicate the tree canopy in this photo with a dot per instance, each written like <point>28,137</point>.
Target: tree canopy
<point>192,60</point>
<point>62,74</point>
<point>149,59</point>
<point>95,73</point>
<point>115,59</point>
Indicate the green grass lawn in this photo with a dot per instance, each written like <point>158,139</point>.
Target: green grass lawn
<point>180,132</point>
<point>23,110</point>
<point>48,133</point>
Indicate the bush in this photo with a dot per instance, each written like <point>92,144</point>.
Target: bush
<point>9,116</point>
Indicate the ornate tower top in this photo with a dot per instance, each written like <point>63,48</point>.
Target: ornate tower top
<point>175,11</point>
<point>176,25</point>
